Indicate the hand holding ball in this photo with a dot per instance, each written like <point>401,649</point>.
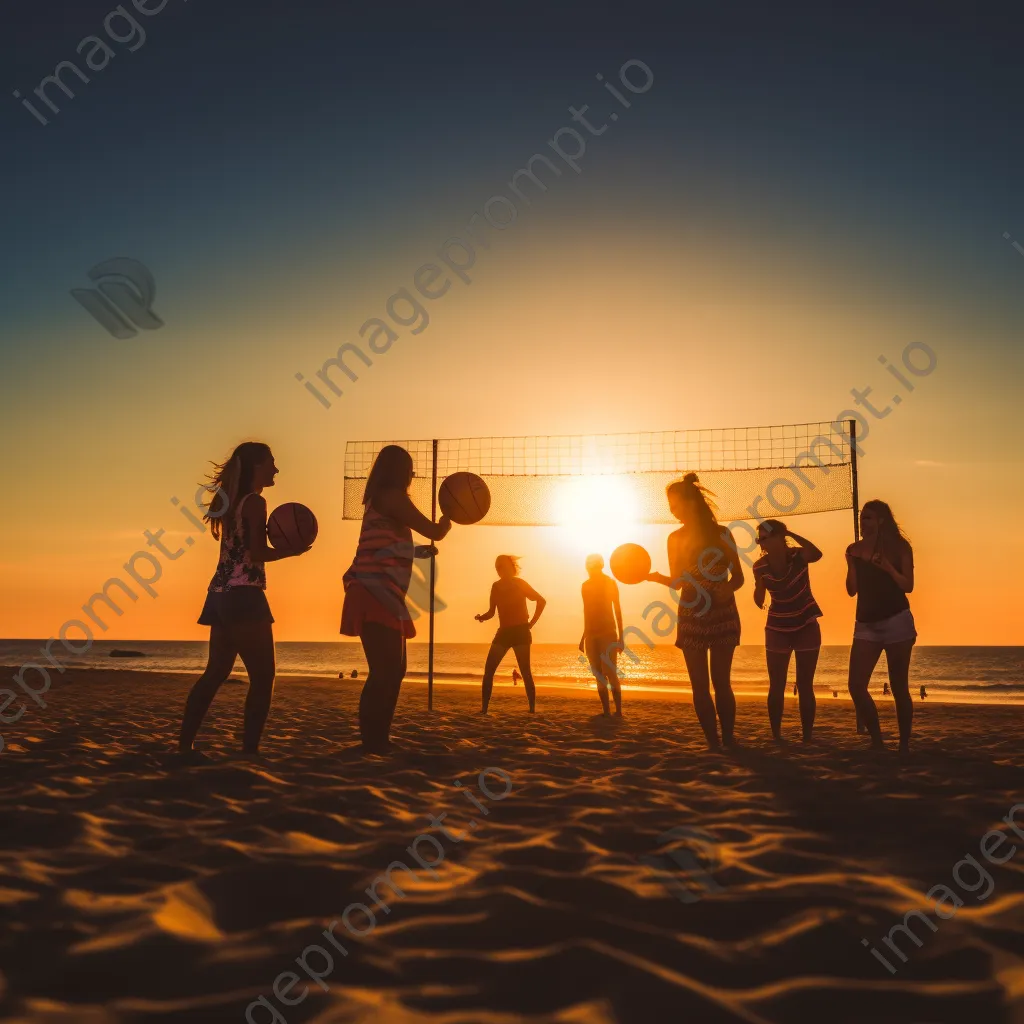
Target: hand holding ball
<point>630,563</point>
<point>464,498</point>
<point>291,527</point>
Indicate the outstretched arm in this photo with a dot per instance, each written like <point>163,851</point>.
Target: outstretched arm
<point>398,506</point>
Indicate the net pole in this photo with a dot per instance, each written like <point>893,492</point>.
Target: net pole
<point>433,519</point>
<point>853,476</point>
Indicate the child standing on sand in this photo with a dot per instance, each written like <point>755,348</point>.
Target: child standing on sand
<point>602,630</point>
<point>509,594</point>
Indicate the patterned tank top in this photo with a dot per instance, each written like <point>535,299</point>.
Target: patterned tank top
<point>235,568</point>
<point>383,561</point>
<point>793,605</point>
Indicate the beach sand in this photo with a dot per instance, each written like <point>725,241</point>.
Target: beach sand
<point>138,889</point>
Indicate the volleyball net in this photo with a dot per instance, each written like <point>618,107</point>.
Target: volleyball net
<point>795,469</point>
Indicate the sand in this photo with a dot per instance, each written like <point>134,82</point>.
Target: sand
<point>138,889</point>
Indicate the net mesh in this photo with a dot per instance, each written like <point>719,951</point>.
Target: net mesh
<point>795,468</point>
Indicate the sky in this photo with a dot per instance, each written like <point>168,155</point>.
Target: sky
<point>795,193</point>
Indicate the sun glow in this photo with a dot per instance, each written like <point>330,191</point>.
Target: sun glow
<point>597,513</point>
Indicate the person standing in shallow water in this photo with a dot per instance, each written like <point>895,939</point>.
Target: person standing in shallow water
<point>880,573</point>
<point>236,608</point>
<point>702,558</point>
<point>792,623</point>
<point>376,584</point>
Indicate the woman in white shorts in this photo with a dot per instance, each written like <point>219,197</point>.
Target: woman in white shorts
<point>880,572</point>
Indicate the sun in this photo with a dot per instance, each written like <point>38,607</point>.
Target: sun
<point>597,513</point>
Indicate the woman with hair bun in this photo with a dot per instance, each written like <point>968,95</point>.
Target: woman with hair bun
<point>236,608</point>
<point>880,573</point>
<point>702,558</point>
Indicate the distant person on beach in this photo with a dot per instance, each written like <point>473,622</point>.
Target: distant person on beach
<point>703,561</point>
<point>792,624</point>
<point>516,677</point>
<point>880,572</point>
<point>885,688</point>
<point>376,584</point>
<point>509,594</point>
<point>236,608</point>
<point>602,631</point>
<point>924,693</point>
<point>355,673</point>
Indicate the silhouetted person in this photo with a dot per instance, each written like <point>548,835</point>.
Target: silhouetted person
<point>792,623</point>
<point>509,594</point>
<point>602,631</point>
<point>702,559</point>
<point>375,588</point>
<point>880,572</point>
<point>924,693</point>
<point>236,608</point>
<point>885,688</point>
<point>515,677</point>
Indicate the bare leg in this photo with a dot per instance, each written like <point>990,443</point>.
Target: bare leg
<point>219,663</point>
<point>725,701</point>
<point>897,657</point>
<point>806,663</point>
<point>255,643</point>
<point>604,666</point>
<point>522,653</point>
<point>864,655</point>
<point>700,684</point>
<point>385,655</point>
<point>494,656</point>
<point>778,669</point>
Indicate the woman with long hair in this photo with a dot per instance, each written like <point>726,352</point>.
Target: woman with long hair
<point>376,584</point>
<point>792,624</point>
<point>880,573</point>
<point>236,608</point>
<point>702,557</point>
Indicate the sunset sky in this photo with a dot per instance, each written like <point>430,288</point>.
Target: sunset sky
<point>794,196</point>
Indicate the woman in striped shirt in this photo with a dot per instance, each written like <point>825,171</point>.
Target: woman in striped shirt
<point>376,584</point>
<point>792,619</point>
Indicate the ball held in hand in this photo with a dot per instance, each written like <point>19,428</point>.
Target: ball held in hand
<point>464,498</point>
<point>630,563</point>
<point>291,527</point>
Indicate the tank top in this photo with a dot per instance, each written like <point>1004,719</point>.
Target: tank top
<point>878,595</point>
<point>383,561</point>
<point>235,567</point>
<point>793,605</point>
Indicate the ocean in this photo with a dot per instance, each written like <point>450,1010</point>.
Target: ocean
<point>991,675</point>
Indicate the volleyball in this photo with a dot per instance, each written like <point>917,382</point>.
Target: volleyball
<point>464,498</point>
<point>291,527</point>
<point>630,563</point>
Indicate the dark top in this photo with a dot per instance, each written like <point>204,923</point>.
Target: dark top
<point>878,595</point>
<point>793,605</point>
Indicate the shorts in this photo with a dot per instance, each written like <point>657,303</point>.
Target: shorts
<point>806,638</point>
<point>512,636</point>
<point>235,605</point>
<point>896,629</point>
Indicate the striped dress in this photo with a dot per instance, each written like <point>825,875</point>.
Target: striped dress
<point>378,579</point>
<point>793,605</point>
<point>707,614</point>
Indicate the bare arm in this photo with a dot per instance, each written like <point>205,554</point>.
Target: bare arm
<point>489,614</point>
<point>811,552</point>
<point>618,614</point>
<point>398,505</point>
<point>759,590</point>
<point>254,515</point>
<point>904,574</point>
<point>534,596</point>
<point>851,572</point>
